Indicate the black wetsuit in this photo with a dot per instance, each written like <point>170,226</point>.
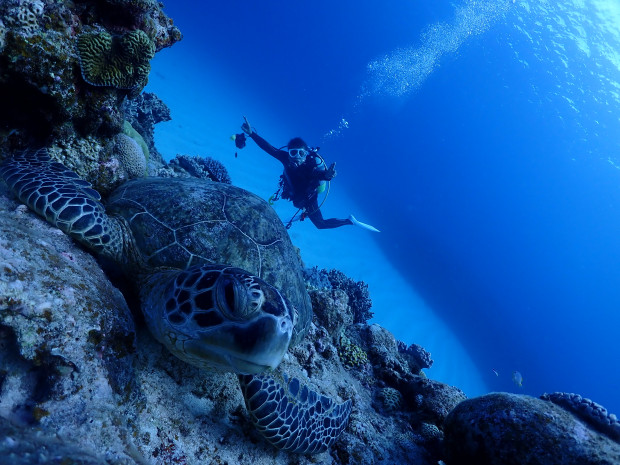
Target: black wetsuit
<point>300,183</point>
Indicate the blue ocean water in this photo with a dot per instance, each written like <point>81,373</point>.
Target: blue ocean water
<point>481,137</point>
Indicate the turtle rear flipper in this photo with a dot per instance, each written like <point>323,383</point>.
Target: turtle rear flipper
<point>63,199</point>
<point>292,417</point>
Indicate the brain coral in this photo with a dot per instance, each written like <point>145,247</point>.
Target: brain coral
<point>391,399</point>
<point>135,135</point>
<point>116,61</point>
<point>130,155</point>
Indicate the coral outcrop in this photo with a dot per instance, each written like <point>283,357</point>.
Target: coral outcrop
<point>67,68</point>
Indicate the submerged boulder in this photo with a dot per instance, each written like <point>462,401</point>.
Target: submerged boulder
<point>506,429</point>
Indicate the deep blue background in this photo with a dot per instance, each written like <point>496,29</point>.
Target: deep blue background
<point>491,183</point>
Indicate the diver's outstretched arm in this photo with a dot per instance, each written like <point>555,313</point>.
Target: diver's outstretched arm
<point>267,147</point>
<point>278,154</point>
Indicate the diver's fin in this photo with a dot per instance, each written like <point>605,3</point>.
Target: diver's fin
<point>363,225</point>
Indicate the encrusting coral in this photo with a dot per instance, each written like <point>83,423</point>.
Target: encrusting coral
<point>594,414</point>
<point>123,62</point>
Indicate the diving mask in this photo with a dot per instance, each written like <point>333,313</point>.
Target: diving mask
<point>297,153</point>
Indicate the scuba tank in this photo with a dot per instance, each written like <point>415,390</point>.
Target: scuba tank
<point>320,163</point>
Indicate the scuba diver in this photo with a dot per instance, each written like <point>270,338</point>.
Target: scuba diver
<point>304,177</point>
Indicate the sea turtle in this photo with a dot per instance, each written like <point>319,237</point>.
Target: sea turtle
<point>220,283</point>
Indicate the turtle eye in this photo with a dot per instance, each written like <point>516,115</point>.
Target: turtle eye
<point>269,307</point>
<point>229,295</point>
<point>256,298</point>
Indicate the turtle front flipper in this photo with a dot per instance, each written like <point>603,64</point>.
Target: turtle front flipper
<point>292,417</point>
<point>63,199</point>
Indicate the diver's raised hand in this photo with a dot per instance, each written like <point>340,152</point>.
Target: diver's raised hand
<point>245,127</point>
<point>330,173</point>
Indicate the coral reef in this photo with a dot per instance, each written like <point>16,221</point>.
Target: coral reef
<point>316,278</point>
<point>46,102</point>
<point>23,447</point>
<point>502,428</point>
<point>27,16</point>
<point>592,413</point>
<point>123,62</point>
<point>201,167</point>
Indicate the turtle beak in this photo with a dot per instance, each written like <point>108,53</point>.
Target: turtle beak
<point>261,345</point>
<point>249,347</point>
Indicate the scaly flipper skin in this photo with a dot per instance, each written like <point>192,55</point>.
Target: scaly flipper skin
<point>64,200</point>
<point>292,417</point>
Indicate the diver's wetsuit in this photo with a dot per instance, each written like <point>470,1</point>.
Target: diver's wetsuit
<point>300,183</point>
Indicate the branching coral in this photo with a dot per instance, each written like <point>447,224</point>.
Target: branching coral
<point>121,61</point>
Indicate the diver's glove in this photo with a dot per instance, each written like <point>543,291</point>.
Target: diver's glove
<point>330,173</point>
<point>245,127</point>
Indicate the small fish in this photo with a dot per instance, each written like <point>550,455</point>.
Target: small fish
<point>495,371</point>
<point>517,378</point>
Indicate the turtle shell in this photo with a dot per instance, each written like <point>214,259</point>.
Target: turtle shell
<point>182,222</point>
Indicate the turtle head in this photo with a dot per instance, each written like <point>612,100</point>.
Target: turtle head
<point>219,317</point>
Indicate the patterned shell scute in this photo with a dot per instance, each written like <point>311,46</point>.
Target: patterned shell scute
<point>184,222</point>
